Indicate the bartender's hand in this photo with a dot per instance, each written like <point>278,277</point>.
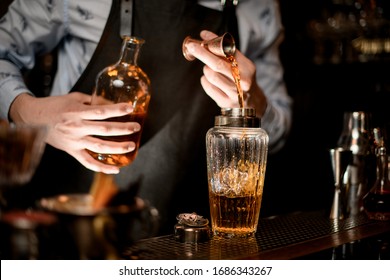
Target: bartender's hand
<point>72,121</point>
<point>218,82</point>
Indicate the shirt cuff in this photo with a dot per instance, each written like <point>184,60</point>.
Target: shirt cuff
<point>10,88</point>
<point>272,122</point>
<point>268,117</point>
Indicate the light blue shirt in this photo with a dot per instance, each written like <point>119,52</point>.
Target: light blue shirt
<point>37,27</point>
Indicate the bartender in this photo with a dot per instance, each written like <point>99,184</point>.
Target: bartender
<point>170,169</point>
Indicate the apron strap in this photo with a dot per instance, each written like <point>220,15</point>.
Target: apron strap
<point>126,18</point>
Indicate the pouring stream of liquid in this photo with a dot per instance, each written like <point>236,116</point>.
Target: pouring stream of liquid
<point>237,78</point>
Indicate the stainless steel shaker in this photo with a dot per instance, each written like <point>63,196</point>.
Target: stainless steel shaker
<point>355,137</point>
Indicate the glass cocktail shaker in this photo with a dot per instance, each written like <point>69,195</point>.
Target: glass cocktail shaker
<point>237,150</point>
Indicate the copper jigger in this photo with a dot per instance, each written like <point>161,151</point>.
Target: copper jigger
<point>223,45</point>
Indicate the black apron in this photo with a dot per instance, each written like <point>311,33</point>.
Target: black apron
<point>170,168</point>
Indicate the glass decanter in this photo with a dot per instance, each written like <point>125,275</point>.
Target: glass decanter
<point>377,200</point>
<point>124,81</point>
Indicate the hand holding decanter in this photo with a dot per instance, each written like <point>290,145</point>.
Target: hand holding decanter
<point>124,81</point>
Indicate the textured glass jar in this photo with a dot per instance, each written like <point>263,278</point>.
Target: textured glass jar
<point>124,81</point>
<point>237,149</point>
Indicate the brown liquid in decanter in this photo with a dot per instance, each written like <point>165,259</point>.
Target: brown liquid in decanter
<point>124,81</point>
<point>377,200</point>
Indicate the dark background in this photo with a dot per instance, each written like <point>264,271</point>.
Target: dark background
<point>299,177</point>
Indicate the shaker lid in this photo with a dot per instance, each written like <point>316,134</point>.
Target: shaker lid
<point>237,117</point>
<point>192,228</point>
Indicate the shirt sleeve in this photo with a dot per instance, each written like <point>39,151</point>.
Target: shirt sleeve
<point>261,33</point>
<point>29,28</point>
